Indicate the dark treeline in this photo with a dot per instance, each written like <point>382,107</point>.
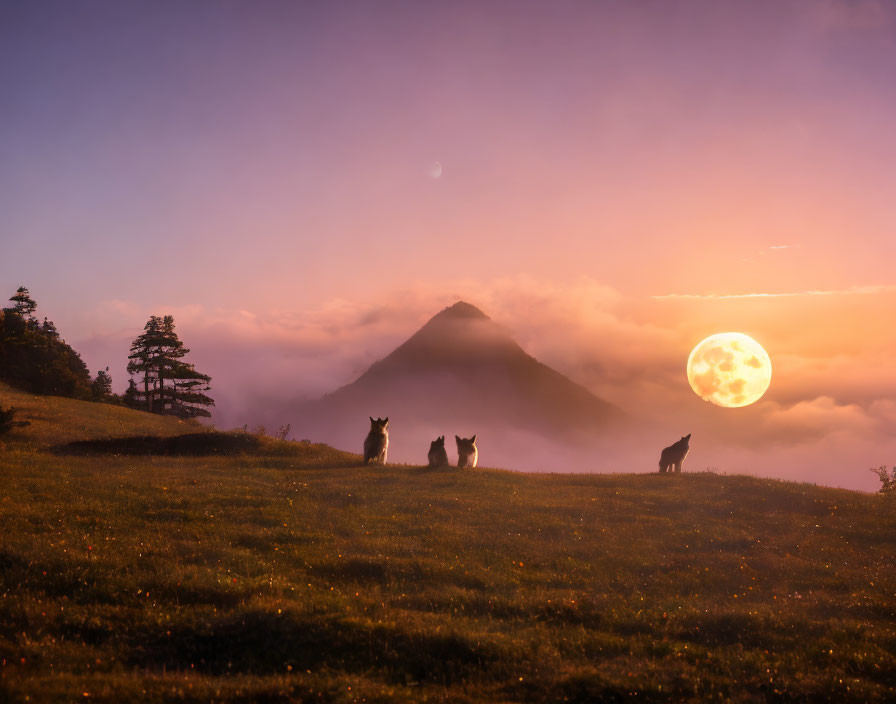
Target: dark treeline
<point>34,358</point>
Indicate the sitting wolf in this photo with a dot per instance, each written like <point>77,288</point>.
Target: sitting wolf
<point>438,456</point>
<point>376,444</point>
<point>674,455</point>
<point>467,452</point>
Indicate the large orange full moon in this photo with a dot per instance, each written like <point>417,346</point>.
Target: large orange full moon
<point>729,369</point>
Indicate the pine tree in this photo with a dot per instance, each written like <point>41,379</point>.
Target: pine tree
<point>169,365</point>
<point>101,387</point>
<point>189,386</point>
<point>145,351</point>
<point>170,385</point>
<point>24,304</point>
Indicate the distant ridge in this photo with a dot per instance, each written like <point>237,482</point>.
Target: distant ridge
<point>461,373</point>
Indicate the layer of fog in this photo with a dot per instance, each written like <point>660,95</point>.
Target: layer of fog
<point>827,417</point>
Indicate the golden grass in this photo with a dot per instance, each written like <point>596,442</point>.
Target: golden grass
<point>289,573</point>
<point>57,420</point>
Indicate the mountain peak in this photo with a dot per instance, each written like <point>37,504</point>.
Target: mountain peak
<point>462,371</point>
<point>461,311</point>
<point>459,334</point>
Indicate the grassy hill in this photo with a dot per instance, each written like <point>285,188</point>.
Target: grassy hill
<point>289,573</point>
<point>56,420</point>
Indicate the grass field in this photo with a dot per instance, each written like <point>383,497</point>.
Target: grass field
<point>288,573</point>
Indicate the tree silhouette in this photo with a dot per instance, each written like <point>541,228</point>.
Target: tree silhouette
<point>32,355</point>
<point>131,396</point>
<point>144,352</point>
<point>101,388</point>
<point>170,385</point>
<point>24,304</point>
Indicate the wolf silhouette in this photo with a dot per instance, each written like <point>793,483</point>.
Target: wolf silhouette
<point>674,455</point>
<point>467,452</point>
<point>376,444</point>
<point>438,456</point>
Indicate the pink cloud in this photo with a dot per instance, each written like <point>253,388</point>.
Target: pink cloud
<point>818,417</point>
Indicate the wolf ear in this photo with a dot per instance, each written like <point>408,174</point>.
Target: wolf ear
<point>386,420</point>
<point>371,419</point>
<point>457,437</point>
<point>473,439</point>
<point>687,437</point>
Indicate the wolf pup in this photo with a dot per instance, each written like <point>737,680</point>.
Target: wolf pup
<point>674,455</point>
<point>467,453</point>
<point>376,444</point>
<point>438,456</point>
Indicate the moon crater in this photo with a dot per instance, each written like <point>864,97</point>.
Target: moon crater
<point>729,369</point>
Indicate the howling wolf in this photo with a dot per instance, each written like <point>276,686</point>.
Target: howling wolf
<point>438,456</point>
<point>467,453</point>
<point>377,441</point>
<point>674,455</point>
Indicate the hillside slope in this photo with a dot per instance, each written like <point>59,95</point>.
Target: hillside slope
<point>269,577</point>
<point>56,420</point>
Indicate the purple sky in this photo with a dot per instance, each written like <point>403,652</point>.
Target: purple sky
<point>264,171</point>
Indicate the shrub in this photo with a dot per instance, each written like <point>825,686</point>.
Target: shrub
<point>887,480</point>
<point>8,421</point>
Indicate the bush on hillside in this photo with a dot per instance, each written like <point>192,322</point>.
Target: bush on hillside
<point>888,481</point>
<point>8,421</point>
